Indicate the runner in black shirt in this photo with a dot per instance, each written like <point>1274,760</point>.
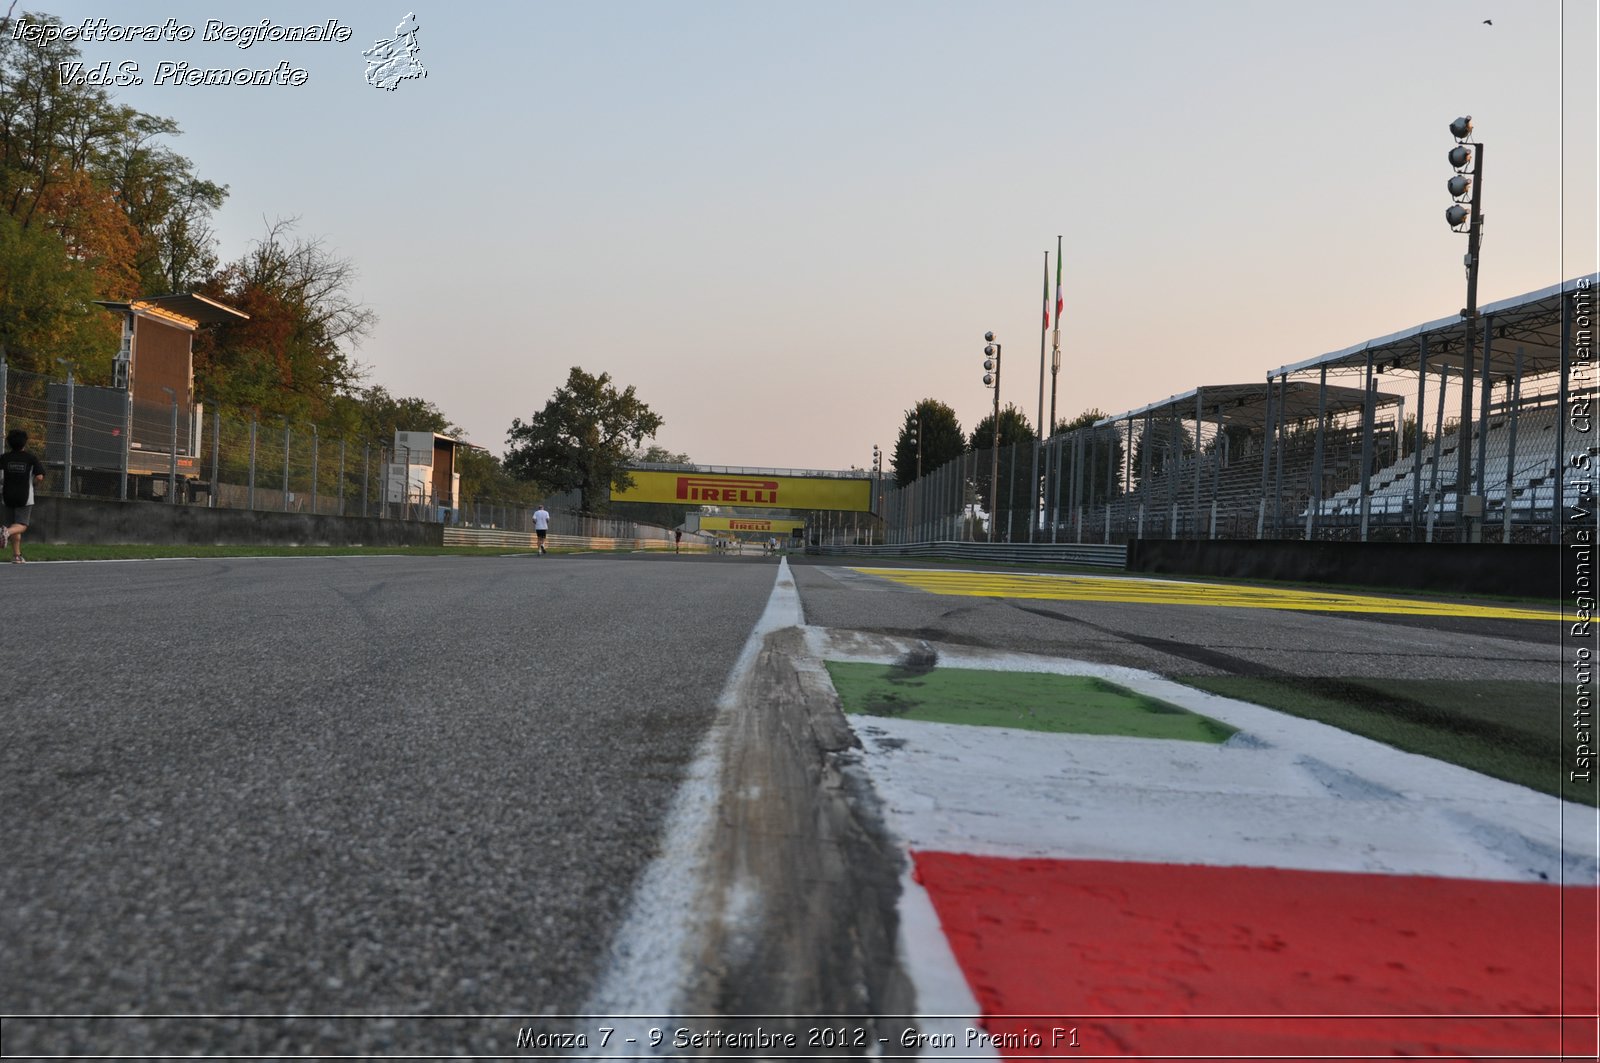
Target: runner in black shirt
<point>19,472</point>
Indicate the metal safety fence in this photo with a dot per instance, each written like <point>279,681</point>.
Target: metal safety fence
<point>99,442</point>
<point>1500,446</point>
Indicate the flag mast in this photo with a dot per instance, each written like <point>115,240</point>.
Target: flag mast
<point>1055,355</point>
<point>1033,515</point>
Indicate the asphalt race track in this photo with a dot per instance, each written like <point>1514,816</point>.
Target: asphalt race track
<point>338,785</point>
<point>373,786</point>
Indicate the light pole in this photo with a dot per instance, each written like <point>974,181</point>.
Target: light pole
<point>916,484</point>
<point>877,482</point>
<point>1466,215</point>
<point>991,379</point>
<point>66,484</point>
<point>172,474</point>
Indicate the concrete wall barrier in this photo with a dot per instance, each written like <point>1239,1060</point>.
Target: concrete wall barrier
<point>97,521</point>
<point>459,536</point>
<point>1518,569</point>
<point>1090,554</point>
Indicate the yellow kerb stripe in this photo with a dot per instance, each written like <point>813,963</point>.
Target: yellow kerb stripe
<point>1173,592</point>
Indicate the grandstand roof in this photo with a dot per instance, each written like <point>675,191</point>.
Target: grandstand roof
<point>1245,405</point>
<point>1531,321</point>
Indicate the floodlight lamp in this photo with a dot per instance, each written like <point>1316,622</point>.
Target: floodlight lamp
<point>988,337</point>
<point>988,363</point>
<point>988,380</point>
<point>1460,156</point>
<point>1457,215</point>
<point>988,352</point>
<point>1461,128</point>
<point>1460,186</point>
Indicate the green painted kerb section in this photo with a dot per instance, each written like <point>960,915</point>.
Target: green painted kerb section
<point>1063,704</point>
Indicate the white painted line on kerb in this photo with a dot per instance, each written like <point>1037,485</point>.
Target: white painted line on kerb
<point>942,990</point>
<point>650,958</point>
<point>1286,792</point>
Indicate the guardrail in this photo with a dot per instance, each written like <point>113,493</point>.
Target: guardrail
<point>1091,554</point>
<point>516,540</point>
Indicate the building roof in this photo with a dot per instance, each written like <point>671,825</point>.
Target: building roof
<point>1531,322</point>
<point>1528,325</point>
<point>1245,405</point>
<point>191,310</point>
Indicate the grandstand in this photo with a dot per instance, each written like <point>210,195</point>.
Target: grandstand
<point>1324,448</point>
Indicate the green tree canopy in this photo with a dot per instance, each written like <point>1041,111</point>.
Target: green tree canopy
<point>582,439</point>
<point>46,305</point>
<point>1169,439</point>
<point>1100,448</point>
<point>942,441</point>
<point>1083,420</point>
<point>1014,428</point>
<point>99,174</point>
<point>1016,483</point>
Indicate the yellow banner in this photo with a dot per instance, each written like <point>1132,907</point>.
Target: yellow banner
<point>776,526</point>
<point>766,492</point>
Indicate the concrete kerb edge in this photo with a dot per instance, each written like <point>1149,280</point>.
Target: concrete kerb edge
<point>702,924</point>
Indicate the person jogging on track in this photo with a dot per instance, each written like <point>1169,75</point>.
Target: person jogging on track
<point>541,524</point>
<point>20,472</point>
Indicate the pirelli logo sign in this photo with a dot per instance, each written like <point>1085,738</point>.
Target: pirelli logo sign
<point>733,491</point>
<point>766,492</point>
<point>775,526</point>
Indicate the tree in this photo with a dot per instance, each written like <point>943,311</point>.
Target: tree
<point>166,204</point>
<point>581,440</point>
<point>656,454</point>
<point>484,478</point>
<point>1099,482</point>
<point>661,513</point>
<point>289,359</point>
<point>46,304</point>
<point>1016,468</point>
<point>374,414</point>
<point>942,441</point>
<point>1169,439</point>
<point>97,173</point>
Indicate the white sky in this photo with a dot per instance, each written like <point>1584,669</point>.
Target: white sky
<point>786,225</point>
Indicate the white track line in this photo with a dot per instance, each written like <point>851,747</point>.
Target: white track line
<point>650,959</point>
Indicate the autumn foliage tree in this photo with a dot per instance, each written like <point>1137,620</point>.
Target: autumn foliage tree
<point>290,359</point>
<point>96,206</point>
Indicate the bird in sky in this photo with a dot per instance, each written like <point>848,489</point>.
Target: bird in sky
<point>1488,22</point>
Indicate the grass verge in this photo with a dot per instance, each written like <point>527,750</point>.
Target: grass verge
<point>121,552</point>
<point>1512,730</point>
<point>1032,701</point>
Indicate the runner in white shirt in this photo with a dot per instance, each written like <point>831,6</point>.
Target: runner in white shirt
<point>541,524</point>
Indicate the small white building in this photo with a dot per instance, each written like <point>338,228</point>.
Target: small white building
<point>422,471</point>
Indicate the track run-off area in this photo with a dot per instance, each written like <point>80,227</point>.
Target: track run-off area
<point>531,806</point>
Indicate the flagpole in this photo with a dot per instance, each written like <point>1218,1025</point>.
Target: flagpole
<point>1033,508</point>
<point>1055,356</point>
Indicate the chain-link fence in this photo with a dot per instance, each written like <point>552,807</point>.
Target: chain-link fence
<point>1352,469</point>
<point>97,442</point>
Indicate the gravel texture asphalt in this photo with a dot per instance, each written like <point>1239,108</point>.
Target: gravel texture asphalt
<point>343,785</point>
<point>420,791</point>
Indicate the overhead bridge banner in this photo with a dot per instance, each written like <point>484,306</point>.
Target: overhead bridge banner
<point>769,492</point>
<point>776,526</point>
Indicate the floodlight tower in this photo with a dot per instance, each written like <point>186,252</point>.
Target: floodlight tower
<point>991,379</point>
<point>877,480</point>
<point>1465,215</point>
